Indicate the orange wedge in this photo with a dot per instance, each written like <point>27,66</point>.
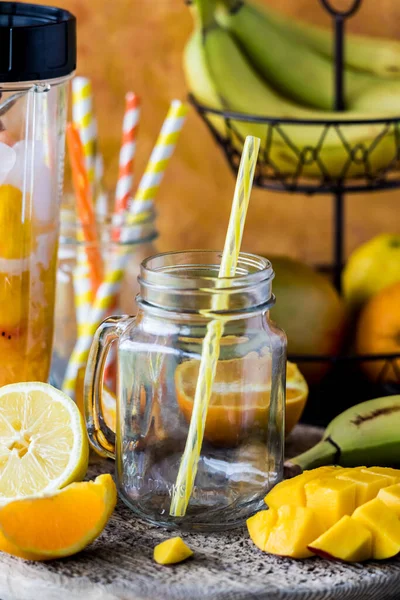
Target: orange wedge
<point>240,398</point>
<point>58,524</point>
<point>296,396</point>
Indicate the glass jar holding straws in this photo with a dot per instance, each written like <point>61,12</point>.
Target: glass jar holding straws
<point>100,252</point>
<point>136,238</point>
<point>199,433</point>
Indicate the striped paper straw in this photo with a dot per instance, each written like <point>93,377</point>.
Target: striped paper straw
<point>82,116</point>
<point>211,343</point>
<point>84,205</point>
<point>101,199</point>
<point>127,154</point>
<point>98,170</point>
<point>102,303</point>
<point>82,289</point>
<point>101,204</point>
<point>159,158</point>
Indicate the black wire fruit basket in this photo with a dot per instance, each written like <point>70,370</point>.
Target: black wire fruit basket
<point>284,165</point>
<point>361,166</point>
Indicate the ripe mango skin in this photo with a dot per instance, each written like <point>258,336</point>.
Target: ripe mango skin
<point>171,551</point>
<point>347,540</point>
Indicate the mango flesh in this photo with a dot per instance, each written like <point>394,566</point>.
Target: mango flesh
<point>393,475</point>
<point>347,540</point>
<point>391,497</point>
<point>330,499</point>
<point>295,529</point>
<point>325,499</point>
<point>291,491</point>
<point>171,551</point>
<point>259,526</point>
<point>367,484</point>
<point>384,526</point>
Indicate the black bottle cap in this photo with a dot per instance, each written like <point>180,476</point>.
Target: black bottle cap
<point>36,42</point>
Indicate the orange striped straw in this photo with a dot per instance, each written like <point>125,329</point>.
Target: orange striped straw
<point>128,150</point>
<point>84,203</point>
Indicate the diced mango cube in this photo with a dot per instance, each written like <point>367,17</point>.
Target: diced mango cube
<point>347,540</point>
<point>384,525</point>
<point>393,475</point>
<point>391,497</point>
<point>260,525</point>
<point>295,529</point>
<point>171,551</point>
<point>330,499</point>
<point>367,484</point>
<point>291,491</point>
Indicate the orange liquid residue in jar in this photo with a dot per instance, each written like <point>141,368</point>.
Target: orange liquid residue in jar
<point>28,253</point>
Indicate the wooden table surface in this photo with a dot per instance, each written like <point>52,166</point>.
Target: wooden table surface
<point>119,566</point>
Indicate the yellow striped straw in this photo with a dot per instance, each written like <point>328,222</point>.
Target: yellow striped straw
<point>83,294</point>
<point>105,297</point>
<point>82,116</point>
<point>211,343</point>
<point>160,156</point>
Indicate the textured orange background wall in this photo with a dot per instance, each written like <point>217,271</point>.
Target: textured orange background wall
<point>137,44</point>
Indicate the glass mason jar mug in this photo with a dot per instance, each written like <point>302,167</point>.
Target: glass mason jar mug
<point>159,354</point>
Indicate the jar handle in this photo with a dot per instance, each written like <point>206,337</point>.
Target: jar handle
<point>101,437</point>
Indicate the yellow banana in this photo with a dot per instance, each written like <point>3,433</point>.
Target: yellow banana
<point>293,68</point>
<point>380,56</point>
<point>232,84</point>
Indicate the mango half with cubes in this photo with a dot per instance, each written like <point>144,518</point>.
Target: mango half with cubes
<point>339,513</point>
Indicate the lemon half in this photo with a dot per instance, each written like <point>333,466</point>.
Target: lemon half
<point>43,442</point>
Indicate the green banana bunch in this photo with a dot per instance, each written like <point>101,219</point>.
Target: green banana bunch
<point>294,68</point>
<point>221,77</point>
<point>379,56</point>
<point>367,434</point>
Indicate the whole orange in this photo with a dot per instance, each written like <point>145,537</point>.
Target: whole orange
<point>378,332</point>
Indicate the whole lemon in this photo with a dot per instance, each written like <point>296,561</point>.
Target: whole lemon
<point>371,267</point>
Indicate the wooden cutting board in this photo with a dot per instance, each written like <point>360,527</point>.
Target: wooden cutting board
<point>119,566</point>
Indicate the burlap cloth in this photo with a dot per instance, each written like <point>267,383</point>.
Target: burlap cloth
<point>119,566</point>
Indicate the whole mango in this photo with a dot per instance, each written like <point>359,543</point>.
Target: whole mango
<point>310,311</point>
